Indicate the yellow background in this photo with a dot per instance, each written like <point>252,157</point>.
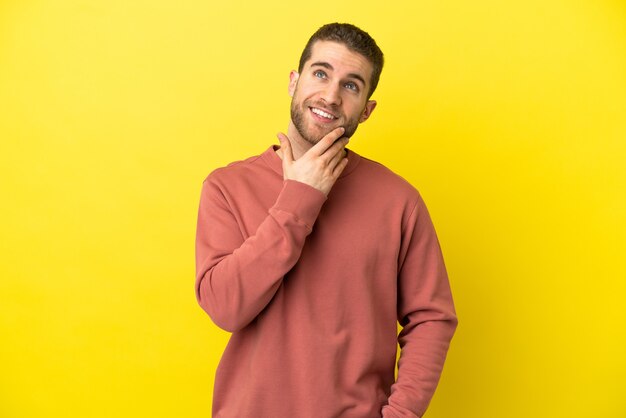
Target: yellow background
<point>510,118</point>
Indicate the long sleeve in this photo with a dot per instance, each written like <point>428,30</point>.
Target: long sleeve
<point>237,276</point>
<point>426,314</point>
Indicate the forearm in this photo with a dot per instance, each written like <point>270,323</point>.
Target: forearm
<point>423,353</point>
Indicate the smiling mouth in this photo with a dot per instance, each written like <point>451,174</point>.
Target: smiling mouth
<point>322,114</point>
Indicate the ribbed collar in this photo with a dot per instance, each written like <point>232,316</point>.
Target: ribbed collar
<point>273,160</point>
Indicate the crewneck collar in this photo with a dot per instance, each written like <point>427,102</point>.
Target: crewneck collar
<point>273,160</point>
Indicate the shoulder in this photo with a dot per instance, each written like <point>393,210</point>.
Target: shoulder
<point>246,169</point>
<point>385,181</point>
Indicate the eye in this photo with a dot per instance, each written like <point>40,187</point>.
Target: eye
<point>351,86</point>
<point>319,74</point>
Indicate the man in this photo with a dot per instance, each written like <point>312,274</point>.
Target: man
<point>310,254</point>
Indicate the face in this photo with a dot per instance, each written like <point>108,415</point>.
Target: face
<point>331,91</point>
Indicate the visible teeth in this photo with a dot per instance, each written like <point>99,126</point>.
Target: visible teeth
<point>322,113</point>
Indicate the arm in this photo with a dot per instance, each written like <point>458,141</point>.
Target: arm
<point>235,277</point>
<point>426,314</point>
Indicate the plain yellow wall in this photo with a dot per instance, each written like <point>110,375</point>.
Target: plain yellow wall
<point>510,118</point>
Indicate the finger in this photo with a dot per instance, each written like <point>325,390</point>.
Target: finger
<point>285,146</point>
<point>340,167</point>
<point>336,150</point>
<point>326,142</point>
<point>340,146</point>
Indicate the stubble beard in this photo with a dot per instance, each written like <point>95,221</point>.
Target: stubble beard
<point>298,111</point>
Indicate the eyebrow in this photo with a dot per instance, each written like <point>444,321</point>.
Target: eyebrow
<point>330,67</point>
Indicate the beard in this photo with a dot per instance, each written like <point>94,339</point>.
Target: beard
<point>313,134</point>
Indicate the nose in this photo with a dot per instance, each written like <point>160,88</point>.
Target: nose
<point>332,94</point>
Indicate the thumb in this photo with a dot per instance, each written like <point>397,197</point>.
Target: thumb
<point>285,146</point>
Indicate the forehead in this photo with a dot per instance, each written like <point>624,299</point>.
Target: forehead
<point>342,59</point>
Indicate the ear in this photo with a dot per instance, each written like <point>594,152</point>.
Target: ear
<point>369,108</point>
<point>293,82</point>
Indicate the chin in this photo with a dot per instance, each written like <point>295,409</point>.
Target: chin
<point>313,136</point>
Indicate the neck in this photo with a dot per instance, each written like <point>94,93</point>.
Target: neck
<point>299,145</point>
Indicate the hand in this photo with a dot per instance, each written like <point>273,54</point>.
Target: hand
<point>321,165</point>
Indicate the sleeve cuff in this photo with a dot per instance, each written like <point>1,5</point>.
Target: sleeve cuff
<point>301,200</point>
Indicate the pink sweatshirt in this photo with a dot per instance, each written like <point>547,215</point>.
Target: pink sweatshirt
<point>311,289</point>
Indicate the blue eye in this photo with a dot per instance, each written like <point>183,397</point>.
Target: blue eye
<point>352,86</point>
<point>319,74</point>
